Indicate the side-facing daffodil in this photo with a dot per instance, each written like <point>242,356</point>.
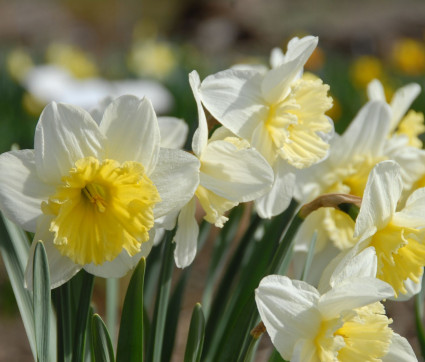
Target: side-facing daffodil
<point>397,236</point>
<point>343,320</point>
<point>230,172</point>
<point>278,111</point>
<point>92,192</point>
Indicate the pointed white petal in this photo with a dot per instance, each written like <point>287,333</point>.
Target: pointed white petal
<point>120,266</point>
<point>288,310</point>
<point>382,192</point>
<point>375,91</point>
<point>402,100</point>
<point>22,191</point>
<point>236,174</point>
<point>64,134</point>
<point>366,134</point>
<point>278,198</point>
<point>234,98</point>
<point>413,213</point>
<point>277,81</point>
<point>186,237</point>
<point>200,137</point>
<point>173,132</point>
<point>363,264</point>
<point>360,291</point>
<point>61,268</point>
<point>132,131</point>
<point>176,176</point>
<point>400,350</point>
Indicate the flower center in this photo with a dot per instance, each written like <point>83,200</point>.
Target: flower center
<point>101,208</point>
<point>294,123</point>
<point>362,335</point>
<point>401,255</point>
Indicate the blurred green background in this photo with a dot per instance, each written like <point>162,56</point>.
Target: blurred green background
<point>162,41</point>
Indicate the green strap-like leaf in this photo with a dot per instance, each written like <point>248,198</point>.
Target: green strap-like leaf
<point>102,350</point>
<point>15,253</point>
<point>130,339</point>
<point>160,314</point>
<point>82,317</point>
<point>195,339</point>
<point>41,302</point>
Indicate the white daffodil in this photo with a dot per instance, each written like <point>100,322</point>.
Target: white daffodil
<point>343,322</point>
<point>280,113</point>
<point>230,172</point>
<point>397,236</point>
<point>92,192</point>
<point>351,158</point>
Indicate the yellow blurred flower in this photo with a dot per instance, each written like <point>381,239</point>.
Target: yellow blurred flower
<point>408,56</point>
<point>152,58</point>
<point>336,110</point>
<point>18,62</point>
<point>412,125</point>
<point>73,59</point>
<point>32,104</point>
<point>364,69</point>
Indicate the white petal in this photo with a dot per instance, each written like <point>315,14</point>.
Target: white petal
<point>161,98</point>
<point>277,81</point>
<point>402,100</point>
<point>278,198</point>
<point>176,176</point>
<point>186,237</point>
<point>159,235</point>
<point>173,132</point>
<point>234,98</point>
<point>400,350</point>
<point>22,191</point>
<point>120,266</point>
<point>360,291</point>
<point>288,310</point>
<point>382,192</point>
<point>276,57</point>
<point>236,174</point>
<point>413,213</point>
<point>61,268</point>
<point>132,131</point>
<point>375,91</point>
<point>200,137</point>
<point>366,134</point>
<point>64,134</point>
<point>363,264</point>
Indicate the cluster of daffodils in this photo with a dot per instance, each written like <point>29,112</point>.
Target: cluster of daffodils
<point>100,185</point>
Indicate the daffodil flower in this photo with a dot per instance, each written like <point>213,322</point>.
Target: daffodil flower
<point>397,236</point>
<point>280,113</point>
<point>342,321</point>
<point>92,192</point>
<point>351,158</point>
<point>230,172</point>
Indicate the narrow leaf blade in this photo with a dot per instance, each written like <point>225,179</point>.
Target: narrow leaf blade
<point>102,349</point>
<point>195,339</point>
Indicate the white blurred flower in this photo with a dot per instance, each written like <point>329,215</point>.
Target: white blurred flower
<point>92,192</point>
<point>49,83</point>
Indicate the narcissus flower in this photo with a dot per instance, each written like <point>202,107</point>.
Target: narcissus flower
<point>279,112</point>
<point>92,192</point>
<point>230,172</point>
<point>397,236</point>
<point>342,321</point>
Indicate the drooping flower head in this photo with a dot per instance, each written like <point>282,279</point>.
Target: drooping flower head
<point>280,113</point>
<point>92,192</point>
